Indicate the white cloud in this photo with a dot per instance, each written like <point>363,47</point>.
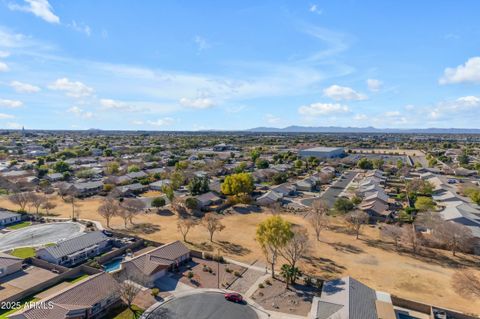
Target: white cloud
<point>339,93</point>
<point>4,54</point>
<point>40,8</point>
<point>374,85</point>
<point>360,117</point>
<point>10,103</point>
<point>80,27</point>
<point>272,119</point>
<point>314,9</point>
<point>74,89</point>
<point>166,121</point>
<point>465,105</point>
<point>468,72</point>
<point>202,43</point>
<point>198,103</point>
<point>317,109</point>
<point>4,116</point>
<point>80,112</point>
<point>14,125</point>
<point>24,87</point>
<point>3,67</point>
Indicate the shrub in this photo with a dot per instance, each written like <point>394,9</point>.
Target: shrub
<point>237,274</point>
<point>268,282</point>
<point>228,270</point>
<point>261,286</point>
<point>207,256</point>
<point>155,292</point>
<point>190,275</point>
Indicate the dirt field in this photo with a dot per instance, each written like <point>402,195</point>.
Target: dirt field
<point>425,278</point>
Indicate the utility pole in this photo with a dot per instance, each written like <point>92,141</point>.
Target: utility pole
<point>218,269</point>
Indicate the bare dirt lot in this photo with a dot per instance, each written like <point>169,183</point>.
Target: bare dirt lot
<point>426,277</point>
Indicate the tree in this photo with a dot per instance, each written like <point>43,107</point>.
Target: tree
<point>356,220</point>
<point>133,168</point>
<point>36,201</point>
<point>318,217</point>
<point>424,203</point>
<point>72,200</point>
<point>409,234</point>
<point>365,163</point>
<point>254,154</point>
<point>133,206</point>
<point>213,224</point>
<point>466,283</point>
<point>130,284</point>
<point>113,168</point>
<point>158,202</point>
<point>279,178</point>
<point>473,194</point>
<point>463,159</point>
<point>261,163</point>
<point>455,236</point>
<point>198,186</point>
<point>272,235</point>
<point>419,186</point>
<point>343,205</point>
<point>21,199</point>
<point>184,225</point>
<point>177,179</point>
<point>192,203</point>
<point>393,232</point>
<point>123,214</point>
<point>238,184</point>
<point>290,274</point>
<point>169,192</point>
<point>108,209</point>
<point>48,205</point>
<point>296,248</point>
<point>378,163</point>
<point>61,167</point>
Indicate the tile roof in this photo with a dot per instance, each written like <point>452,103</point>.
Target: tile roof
<point>82,295</point>
<point>8,260</point>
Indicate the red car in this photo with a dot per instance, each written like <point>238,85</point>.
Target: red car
<point>234,297</point>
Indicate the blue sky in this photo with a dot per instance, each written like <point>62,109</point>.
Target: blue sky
<point>190,65</point>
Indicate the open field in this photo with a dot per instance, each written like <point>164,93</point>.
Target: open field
<point>426,278</point>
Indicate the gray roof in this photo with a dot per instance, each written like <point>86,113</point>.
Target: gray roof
<point>88,185</point>
<point>6,214</point>
<point>75,244</point>
<point>346,298</point>
<point>323,149</point>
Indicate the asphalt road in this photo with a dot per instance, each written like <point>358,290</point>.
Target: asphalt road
<point>39,235</point>
<point>203,306</point>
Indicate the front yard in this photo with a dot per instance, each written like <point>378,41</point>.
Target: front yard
<point>19,225</point>
<point>24,252</point>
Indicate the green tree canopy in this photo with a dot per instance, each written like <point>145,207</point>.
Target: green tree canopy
<point>238,184</point>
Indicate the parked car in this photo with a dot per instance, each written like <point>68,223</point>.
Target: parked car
<point>234,297</point>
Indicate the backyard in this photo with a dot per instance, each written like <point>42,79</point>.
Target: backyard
<point>370,260</point>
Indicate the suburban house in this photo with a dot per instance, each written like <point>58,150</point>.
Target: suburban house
<point>88,298</point>
<point>7,218</point>
<point>286,189</point>
<point>54,177</point>
<point>269,198</point>
<point>75,250</point>
<point>132,189</point>
<point>158,185</point>
<point>87,188</point>
<point>154,264</point>
<point>306,185</point>
<point>208,201</point>
<point>9,264</point>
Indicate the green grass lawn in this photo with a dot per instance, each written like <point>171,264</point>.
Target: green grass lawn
<point>25,252</point>
<point>124,313</point>
<point>19,225</point>
<point>77,279</point>
<point>4,313</point>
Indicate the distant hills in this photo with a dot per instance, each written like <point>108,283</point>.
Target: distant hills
<point>369,129</point>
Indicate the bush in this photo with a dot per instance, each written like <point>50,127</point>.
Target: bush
<point>190,275</point>
<point>219,259</point>
<point>268,282</point>
<point>237,274</point>
<point>228,270</point>
<point>261,286</point>
<point>207,256</point>
<point>155,292</point>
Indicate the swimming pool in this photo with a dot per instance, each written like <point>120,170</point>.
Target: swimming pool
<point>113,265</point>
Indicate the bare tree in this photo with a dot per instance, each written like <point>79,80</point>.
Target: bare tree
<point>36,201</point>
<point>48,205</point>
<point>297,247</point>
<point>72,200</point>
<point>356,220</point>
<point>318,217</point>
<point>466,283</point>
<point>393,232</point>
<point>455,236</point>
<point>123,214</point>
<point>213,224</point>
<point>21,199</point>
<point>410,236</point>
<point>184,225</point>
<point>108,209</point>
<point>133,206</point>
<point>130,283</point>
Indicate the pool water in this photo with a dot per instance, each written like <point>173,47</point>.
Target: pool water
<point>113,265</point>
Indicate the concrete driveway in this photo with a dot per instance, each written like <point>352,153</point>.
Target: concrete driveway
<point>206,305</point>
<point>40,234</point>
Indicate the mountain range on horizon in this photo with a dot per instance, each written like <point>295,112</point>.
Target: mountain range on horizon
<point>368,129</point>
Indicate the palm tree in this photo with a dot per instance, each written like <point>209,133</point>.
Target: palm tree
<point>289,273</point>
